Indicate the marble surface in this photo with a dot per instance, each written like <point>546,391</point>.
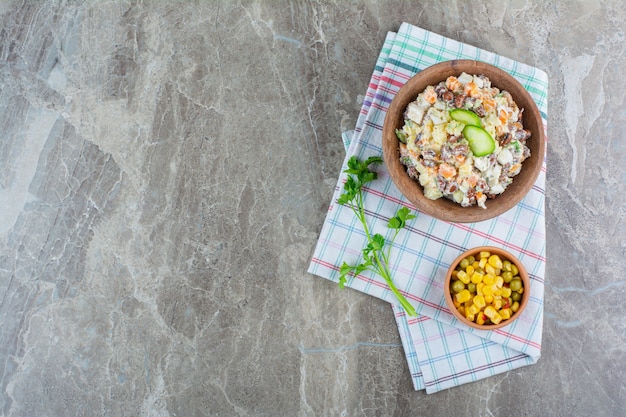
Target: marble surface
<point>165,168</point>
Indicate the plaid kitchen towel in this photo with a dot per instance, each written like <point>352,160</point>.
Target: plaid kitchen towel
<point>441,352</point>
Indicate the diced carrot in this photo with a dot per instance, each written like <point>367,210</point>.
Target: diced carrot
<point>430,95</point>
<point>453,83</point>
<point>503,116</point>
<point>447,171</point>
<point>489,104</point>
<point>471,89</point>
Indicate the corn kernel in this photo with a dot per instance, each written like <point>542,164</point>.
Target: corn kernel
<point>498,293</point>
<point>485,254</point>
<point>498,271</point>
<point>473,309</point>
<point>521,290</point>
<point>505,313</point>
<point>495,261</point>
<point>461,310</point>
<point>468,303</point>
<point>489,279</point>
<point>490,312</point>
<point>480,319</point>
<point>479,301</point>
<point>482,262</point>
<point>497,319</point>
<point>490,269</point>
<point>497,304</point>
<point>488,290</point>
<point>477,277</point>
<point>463,277</point>
<point>470,270</point>
<point>454,274</point>
<point>456,303</point>
<point>475,265</point>
<point>469,316</point>
<point>488,299</point>
<point>515,307</point>
<point>499,281</point>
<point>463,296</point>
<point>479,288</point>
<point>506,292</point>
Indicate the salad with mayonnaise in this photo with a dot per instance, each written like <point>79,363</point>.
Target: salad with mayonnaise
<point>464,140</point>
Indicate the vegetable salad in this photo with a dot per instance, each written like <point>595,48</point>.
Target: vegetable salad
<point>464,140</point>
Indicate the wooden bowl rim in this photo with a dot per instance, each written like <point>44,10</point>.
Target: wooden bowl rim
<point>523,273</point>
<point>443,208</point>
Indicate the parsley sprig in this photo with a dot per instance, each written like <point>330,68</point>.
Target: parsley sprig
<point>375,254</point>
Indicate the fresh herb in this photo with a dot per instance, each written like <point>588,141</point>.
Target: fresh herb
<point>375,254</point>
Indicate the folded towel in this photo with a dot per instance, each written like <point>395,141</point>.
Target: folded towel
<point>441,352</point>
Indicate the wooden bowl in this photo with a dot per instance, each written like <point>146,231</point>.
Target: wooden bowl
<point>504,255</point>
<point>443,208</point>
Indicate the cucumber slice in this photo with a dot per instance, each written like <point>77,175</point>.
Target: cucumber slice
<point>467,117</point>
<point>480,141</point>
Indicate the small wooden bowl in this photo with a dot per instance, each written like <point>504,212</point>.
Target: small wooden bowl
<point>504,255</point>
<point>443,208</point>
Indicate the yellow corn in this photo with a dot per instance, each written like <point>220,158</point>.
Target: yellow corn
<point>505,313</point>
<point>463,277</point>
<point>488,290</point>
<point>479,288</point>
<point>490,312</point>
<point>463,296</point>
<point>469,316</point>
<point>506,292</point>
<point>485,254</point>
<point>490,269</point>
<point>475,265</point>
<point>461,310</point>
<point>497,304</point>
<point>499,281</point>
<point>488,299</point>
<point>515,307</point>
<point>470,270</point>
<point>482,262</point>
<point>480,319</point>
<point>497,319</point>
<point>473,309</point>
<point>495,261</point>
<point>489,279</point>
<point>477,277</point>
<point>479,301</point>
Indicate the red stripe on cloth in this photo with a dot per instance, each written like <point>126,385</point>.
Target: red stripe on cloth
<point>391,81</point>
<point>517,338</point>
<point>473,370</point>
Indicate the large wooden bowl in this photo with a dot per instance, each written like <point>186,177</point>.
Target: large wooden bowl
<point>443,208</point>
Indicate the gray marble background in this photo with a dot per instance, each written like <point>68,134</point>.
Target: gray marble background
<point>165,169</point>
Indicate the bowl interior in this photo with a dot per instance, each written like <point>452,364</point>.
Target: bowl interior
<point>503,255</point>
<point>443,208</point>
